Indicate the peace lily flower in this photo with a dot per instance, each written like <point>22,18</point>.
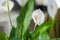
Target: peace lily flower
<point>22,2</point>
<point>38,2</point>
<point>52,8</point>
<point>38,17</point>
<point>7,3</point>
<point>41,2</point>
<point>58,3</point>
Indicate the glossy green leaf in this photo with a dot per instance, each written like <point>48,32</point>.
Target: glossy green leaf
<point>28,15</point>
<point>44,36</point>
<point>3,36</point>
<point>12,38</point>
<point>12,33</point>
<point>20,20</point>
<point>24,17</point>
<point>41,29</point>
<point>28,35</point>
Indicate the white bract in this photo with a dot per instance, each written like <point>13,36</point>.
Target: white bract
<point>1,1</point>
<point>41,2</point>
<point>7,3</point>
<point>52,8</point>
<point>38,2</point>
<point>38,17</point>
<point>58,3</point>
<point>22,2</point>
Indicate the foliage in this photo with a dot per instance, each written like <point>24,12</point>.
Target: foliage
<point>3,36</point>
<point>21,32</point>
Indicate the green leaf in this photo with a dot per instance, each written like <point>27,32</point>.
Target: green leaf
<point>3,36</point>
<point>28,35</point>
<point>24,17</point>
<point>28,15</point>
<point>44,36</point>
<point>41,29</point>
<point>20,20</point>
<point>56,39</point>
<point>12,33</point>
<point>13,38</point>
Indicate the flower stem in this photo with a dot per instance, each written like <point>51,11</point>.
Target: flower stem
<point>34,27</point>
<point>9,13</point>
<point>51,32</point>
<point>53,22</point>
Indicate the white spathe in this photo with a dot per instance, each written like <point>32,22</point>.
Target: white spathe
<point>52,8</point>
<point>5,22</point>
<point>5,5</point>
<point>58,3</point>
<point>22,2</point>
<point>38,17</point>
<point>38,2</point>
<point>1,1</point>
<point>41,2</point>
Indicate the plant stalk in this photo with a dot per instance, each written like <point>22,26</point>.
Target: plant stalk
<point>9,12</point>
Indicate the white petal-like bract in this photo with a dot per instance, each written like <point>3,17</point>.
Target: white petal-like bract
<point>41,2</point>
<point>22,2</point>
<point>38,17</point>
<point>52,8</point>
<point>38,2</point>
<point>58,3</point>
<point>6,3</point>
